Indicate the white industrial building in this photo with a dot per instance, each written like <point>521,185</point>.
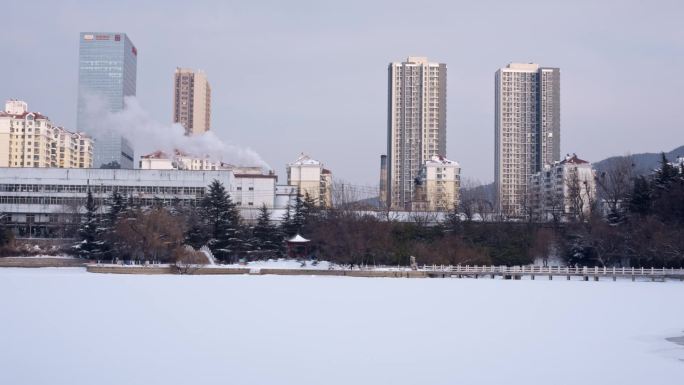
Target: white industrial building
<point>48,201</point>
<point>179,160</point>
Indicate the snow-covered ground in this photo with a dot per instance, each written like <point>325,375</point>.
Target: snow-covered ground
<point>46,256</point>
<point>283,264</point>
<point>65,326</point>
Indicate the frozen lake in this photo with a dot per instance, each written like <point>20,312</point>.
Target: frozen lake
<point>65,326</point>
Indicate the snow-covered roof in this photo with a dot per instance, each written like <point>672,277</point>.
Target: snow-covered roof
<point>573,159</point>
<point>441,160</point>
<point>155,155</point>
<point>298,239</point>
<point>176,153</point>
<point>305,160</point>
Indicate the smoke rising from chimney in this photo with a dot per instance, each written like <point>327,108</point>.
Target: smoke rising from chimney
<point>148,135</point>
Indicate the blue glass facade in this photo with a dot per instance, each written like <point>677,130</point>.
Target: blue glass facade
<point>107,63</point>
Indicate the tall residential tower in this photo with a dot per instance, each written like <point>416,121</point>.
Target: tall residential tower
<point>192,101</point>
<point>107,64</point>
<point>416,124</point>
<point>527,131</point>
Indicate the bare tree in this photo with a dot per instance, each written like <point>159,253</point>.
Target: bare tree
<point>575,196</point>
<point>149,234</point>
<point>542,245</point>
<point>476,200</point>
<point>555,203</point>
<point>188,260</point>
<point>615,183</point>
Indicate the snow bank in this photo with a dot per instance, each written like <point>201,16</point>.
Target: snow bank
<point>42,256</point>
<point>64,326</point>
<point>283,264</point>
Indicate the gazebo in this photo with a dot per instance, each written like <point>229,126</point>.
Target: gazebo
<point>297,247</point>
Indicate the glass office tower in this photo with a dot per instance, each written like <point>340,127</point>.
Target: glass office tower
<point>107,64</point>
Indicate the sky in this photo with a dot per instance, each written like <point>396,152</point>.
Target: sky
<point>311,76</point>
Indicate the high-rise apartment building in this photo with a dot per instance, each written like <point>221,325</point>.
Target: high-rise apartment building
<point>527,131</point>
<point>416,124</point>
<point>30,139</point>
<point>192,101</point>
<point>107,65</point>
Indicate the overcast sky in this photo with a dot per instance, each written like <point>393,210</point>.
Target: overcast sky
<point>293,76</point>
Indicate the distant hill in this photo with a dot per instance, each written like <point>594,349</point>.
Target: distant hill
<point>372,203</point>
<point>644,163</point>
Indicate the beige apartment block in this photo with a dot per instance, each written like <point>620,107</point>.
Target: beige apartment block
<point>192,101</point>
<point>311,178</point>
<point>438,185</point>
<point>416,125</point>
<point>29,139</point>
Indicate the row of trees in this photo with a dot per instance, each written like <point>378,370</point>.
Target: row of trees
<point>643,226</point>
<point>161,232</point>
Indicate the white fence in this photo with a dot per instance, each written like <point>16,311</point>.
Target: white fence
<point>552,270</point>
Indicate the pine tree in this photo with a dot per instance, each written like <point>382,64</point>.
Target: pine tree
<point>312,211</point>
<point>287,227</point>
<point>266,236</point>
<point>117,206</point>
<point>90,244</point>
<point>223,222</point>
<point>6,236</point>
<point>665,174</point>
<point>640,200</point>
<point>299,216</point>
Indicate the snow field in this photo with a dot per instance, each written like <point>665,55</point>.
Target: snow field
<point>65,326</point>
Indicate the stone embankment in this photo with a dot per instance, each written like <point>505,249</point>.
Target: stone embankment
<point>42,262</point>
<point>141,269</point>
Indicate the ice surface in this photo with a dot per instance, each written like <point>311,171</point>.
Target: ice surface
<point>65,326</point>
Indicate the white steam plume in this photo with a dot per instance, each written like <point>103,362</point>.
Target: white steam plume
<point>148,135</point>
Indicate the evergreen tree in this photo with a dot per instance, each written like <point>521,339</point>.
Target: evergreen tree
<point>287,227</point>
<point>90,244</point>
<point>197,234</point>
<point>266,236</point>
<point>299,216</point>
<point>6,236</point>
<point>665,174</point>
<point>117,206</point>
<point>223,220</point>
<point>312,211</point>
<point>640,199</point>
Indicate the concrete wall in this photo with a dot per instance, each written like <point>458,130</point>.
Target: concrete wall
<point>41,262</point>
<point>255,271</point>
